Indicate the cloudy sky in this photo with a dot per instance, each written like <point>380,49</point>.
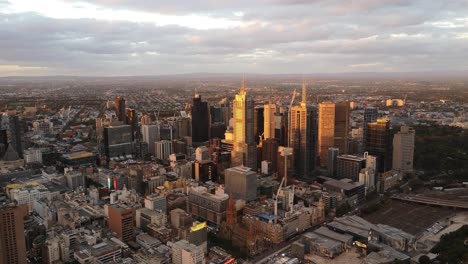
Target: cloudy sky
<point>152,37</point>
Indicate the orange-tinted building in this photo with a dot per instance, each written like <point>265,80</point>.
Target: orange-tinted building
<point>121,221</point>
<point>12,241</point>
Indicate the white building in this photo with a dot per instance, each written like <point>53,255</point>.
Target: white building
<point>150,134</point>
<point>33,156</point>
<point>163,149</point>
<point>403,150</point>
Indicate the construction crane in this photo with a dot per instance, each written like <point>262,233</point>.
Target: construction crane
<point>276,198</point>
<point>404,100</point>
<point>292,99</point>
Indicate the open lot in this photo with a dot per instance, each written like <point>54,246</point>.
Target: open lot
<point>409,217</point>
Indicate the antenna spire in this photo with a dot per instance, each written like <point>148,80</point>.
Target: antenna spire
<point>304,92</point>
<point>243,85</point>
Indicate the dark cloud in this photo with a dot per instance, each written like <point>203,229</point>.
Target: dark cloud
<point>279,36</point>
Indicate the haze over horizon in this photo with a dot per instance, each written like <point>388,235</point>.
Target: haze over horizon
<point>131,38</point>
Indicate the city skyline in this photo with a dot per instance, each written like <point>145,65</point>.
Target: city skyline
<point>112,38</point>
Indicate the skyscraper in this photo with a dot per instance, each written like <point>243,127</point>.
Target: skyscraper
<point>403,149</point>
<point>379,143</point>
<point>341,127</point>
<point>200,120</point>
<point>12,240</point>
<point>241,182</point>
<point>245,149</point>
<point>269,111</point>
<point>131,119</point>
<point>370,115</point>
<point>333,128</point>
<point>118,141</point>
<point>302,136</point>
<point>150,134</point>
<point>326,130</point>
<point>120,107</point>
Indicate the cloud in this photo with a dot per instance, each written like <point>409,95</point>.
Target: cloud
<point>265,37</point>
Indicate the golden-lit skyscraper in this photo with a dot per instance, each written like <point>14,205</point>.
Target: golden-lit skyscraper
<point>269,111</point>
<point>244,146</point>
<point>302,136</point>
<point>326,130</point>
<point>333,128</point>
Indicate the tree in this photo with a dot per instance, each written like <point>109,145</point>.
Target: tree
<point>424,260</point>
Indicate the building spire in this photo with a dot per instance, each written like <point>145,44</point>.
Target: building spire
<point>243,85</point>
<point>304,92</point>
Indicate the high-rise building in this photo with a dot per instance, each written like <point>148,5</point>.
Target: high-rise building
<point>269,120</point>
<point>163,149</point>
<point>379,143</point>
<point>341,127</point>
<point>120,107</point>
<point>371,114</point>
<point>331,166</point>
<point>241,182</point>
<point>245,148</point>
<point>258,123</point>
<point>118,141</point>
<point>349,166</point>
<point>302,136</point>
<point>156,202</point>
<point>403,150</point>
<point>11,131</point>
<point>150,134</point>
<point>12,239</point>
<point>200,120</point>
<point>131,118</point>
<point>270,152</point>
<point>333,128</point>
<point>33,156</point>
<point>326,130</point>
<point>121,221</point>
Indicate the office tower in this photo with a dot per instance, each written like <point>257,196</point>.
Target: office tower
<point>241,182</point>
<point>75,179</point>
<point>156,202</point>
<point>302,136</point>
<point>150,134</point>
<point>131,118</point>
<point>245,148</point>
<point>270,152</point>
<point>281,128</point>
<point>3,141</point>
<point>204,170</point>
<point>403,150</point>
<point>163,149</point>
<point>370,116</point>
<point>331,166</point>
<point>120,107</point>
<point>269,120</point>
<point>198,235</point>
<point>185,253</point>
<point>216,114</point>
<point>341,132</point>
<point>333,128</point>
<point>258,123</point>
<point>11,131</point>
<point>217,130</point>
<point>12,240</point>
<point>205,205</point>
<point>183,127</point>
<point>226,111</point>
<point>379,143</point>
<point>121,221</point>
<point>200,120</point>
<point>349,166</point>
<point>118,141</point>
<point>326,130</point>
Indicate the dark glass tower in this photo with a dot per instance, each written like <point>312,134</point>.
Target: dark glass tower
<point>200,120</point>
<point>379,143</point>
